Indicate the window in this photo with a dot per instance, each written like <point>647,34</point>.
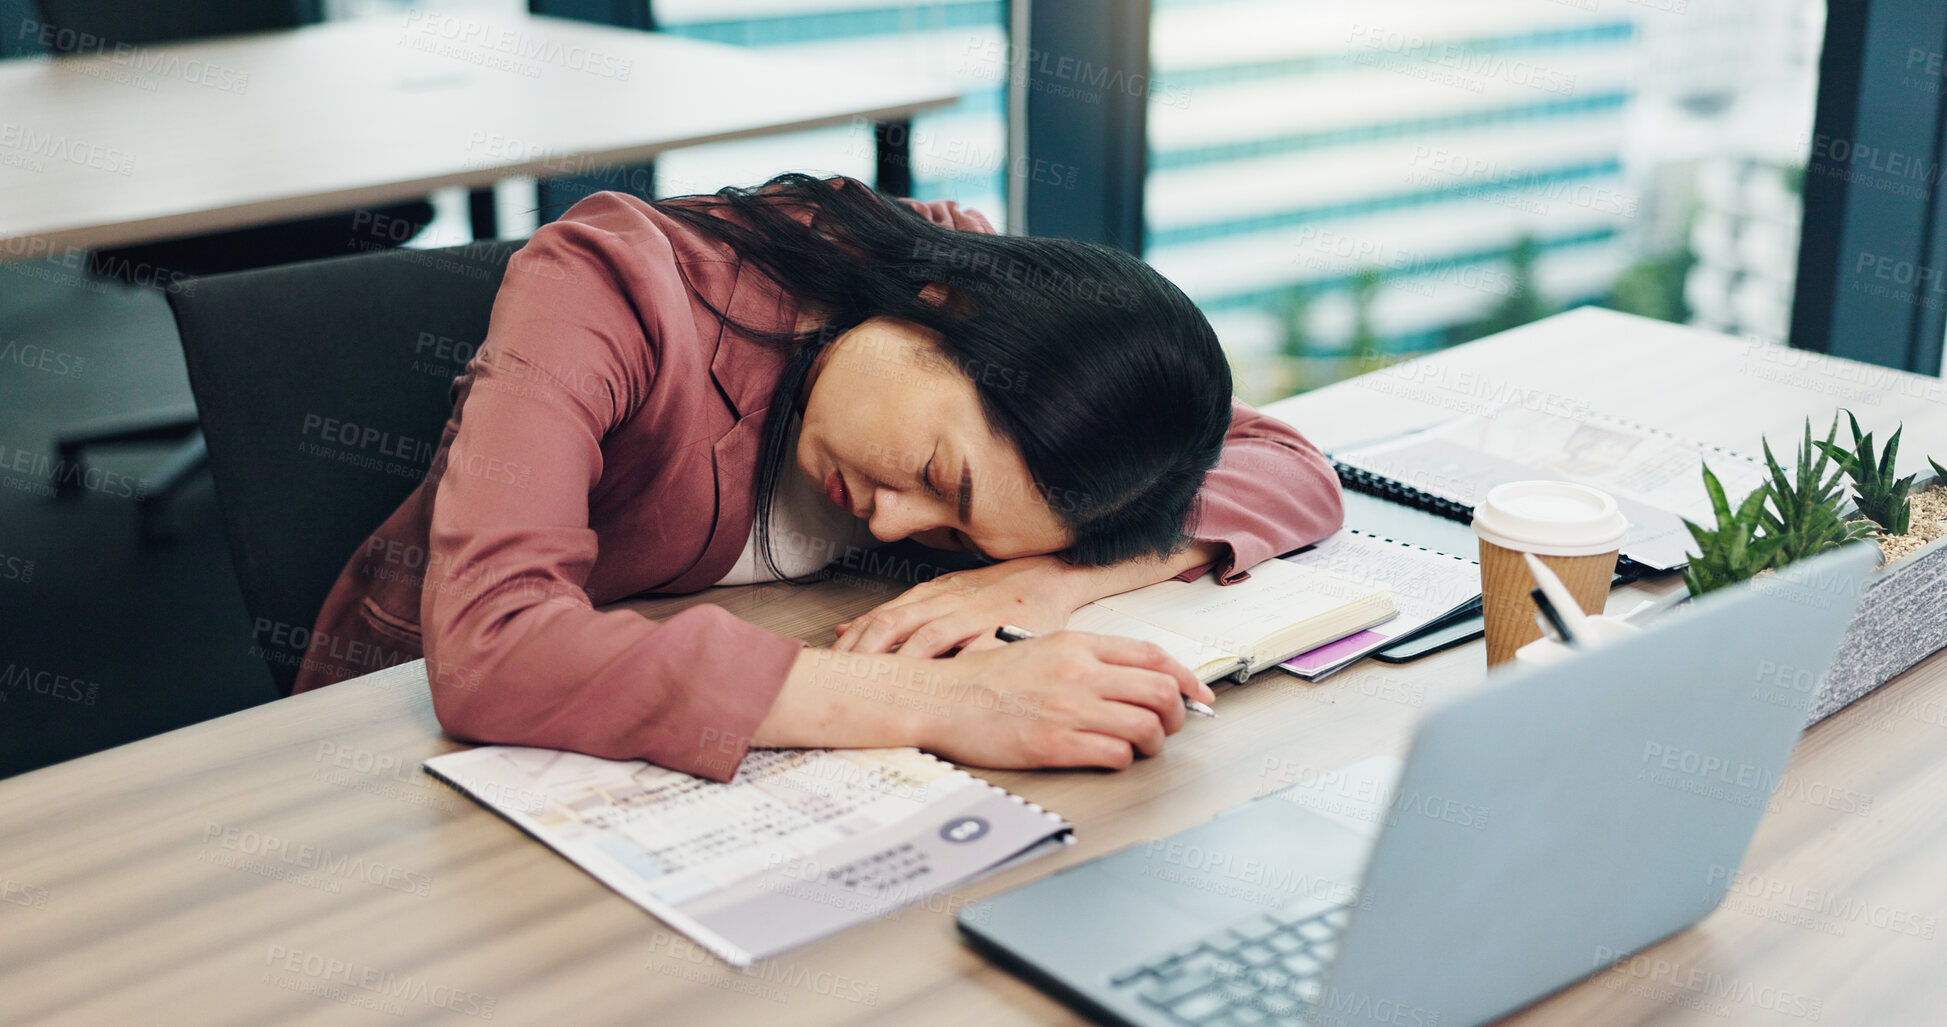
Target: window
<point>958,152</point>
<point>1342,185</point>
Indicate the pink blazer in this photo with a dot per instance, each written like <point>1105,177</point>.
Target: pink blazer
<point>604,444</point>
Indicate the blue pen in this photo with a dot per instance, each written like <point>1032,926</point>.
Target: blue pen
<point>1010,633</point>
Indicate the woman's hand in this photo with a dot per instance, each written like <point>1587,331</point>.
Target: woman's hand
<point>1066,699</point>
<point>962,608</point>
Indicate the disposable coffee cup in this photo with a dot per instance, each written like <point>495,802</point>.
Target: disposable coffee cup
<point>1576,530</point>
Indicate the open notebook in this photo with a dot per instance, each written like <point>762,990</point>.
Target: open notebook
<point>1656,477</point>
<point>801,843</point>
<point>1220,631</point>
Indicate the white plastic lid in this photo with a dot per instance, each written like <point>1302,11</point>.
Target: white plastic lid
<point>1550,518</point>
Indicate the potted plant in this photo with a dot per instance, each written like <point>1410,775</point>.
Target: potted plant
<point>1887,503</point>
<point>1902,616</point>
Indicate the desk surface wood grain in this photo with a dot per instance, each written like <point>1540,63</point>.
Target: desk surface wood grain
<point>290,864</point>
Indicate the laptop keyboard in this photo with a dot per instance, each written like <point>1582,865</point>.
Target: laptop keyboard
<point>1259,972</point>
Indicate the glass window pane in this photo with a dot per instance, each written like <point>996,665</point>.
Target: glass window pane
<point>959,152</point>
<point>1340,185</point>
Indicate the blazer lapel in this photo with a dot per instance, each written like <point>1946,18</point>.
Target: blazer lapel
<point>744,371</point>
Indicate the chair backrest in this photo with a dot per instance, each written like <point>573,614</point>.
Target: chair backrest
<point>323,388</point>
<point>158,21</point>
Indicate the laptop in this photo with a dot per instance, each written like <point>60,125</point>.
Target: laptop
<point>1543,825</point>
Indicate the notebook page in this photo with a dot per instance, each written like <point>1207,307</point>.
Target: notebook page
<point>1277,595</point>
<point>695,835</point>
<point>801,843</point>
<point>1655,478</point>
<point>1207,662</point>
<point>1424,584</point>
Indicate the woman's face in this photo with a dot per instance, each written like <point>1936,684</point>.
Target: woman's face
<point>895,433</point>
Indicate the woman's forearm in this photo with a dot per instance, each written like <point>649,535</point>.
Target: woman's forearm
<point>851,700</point>
<point>1085,585</point>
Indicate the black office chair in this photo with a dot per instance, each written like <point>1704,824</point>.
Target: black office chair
<point>87,26</point>
<point>324,387</point>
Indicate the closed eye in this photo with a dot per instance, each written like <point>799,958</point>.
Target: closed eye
<point>926,479</point>
<point>959,537</point>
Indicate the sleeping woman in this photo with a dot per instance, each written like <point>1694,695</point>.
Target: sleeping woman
<point>749,385</point>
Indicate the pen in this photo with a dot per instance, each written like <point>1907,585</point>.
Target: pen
<point>1010,633</point>
<point>1553,616</point>
<point>1552,598</point>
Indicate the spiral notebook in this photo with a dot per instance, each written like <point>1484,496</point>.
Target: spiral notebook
<point>801,843</point>
<point>1655,476</point>
<point>1427,585</point>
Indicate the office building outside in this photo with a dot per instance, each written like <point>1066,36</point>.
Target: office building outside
<point>1353,183</point>
<point>958,152</point>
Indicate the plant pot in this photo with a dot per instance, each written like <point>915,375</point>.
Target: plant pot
<point>1902,620</point>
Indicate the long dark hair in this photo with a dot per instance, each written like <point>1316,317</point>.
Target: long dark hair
<point>1107,379</point>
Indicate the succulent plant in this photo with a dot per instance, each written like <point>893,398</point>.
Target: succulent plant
<point>1939,473</point>
<point>1804,511</point>
<point>1794,514</point>
<point>1734,550</point>
<point>1878,496</point>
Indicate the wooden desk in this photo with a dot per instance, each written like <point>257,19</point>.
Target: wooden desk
<point>168,881</point>
<point>178,139</point>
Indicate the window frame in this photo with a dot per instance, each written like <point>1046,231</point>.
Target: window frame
<point>1857,236</point>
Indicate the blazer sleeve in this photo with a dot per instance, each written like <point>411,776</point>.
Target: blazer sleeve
<point>515,651</point>
<point>1272,491</point>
